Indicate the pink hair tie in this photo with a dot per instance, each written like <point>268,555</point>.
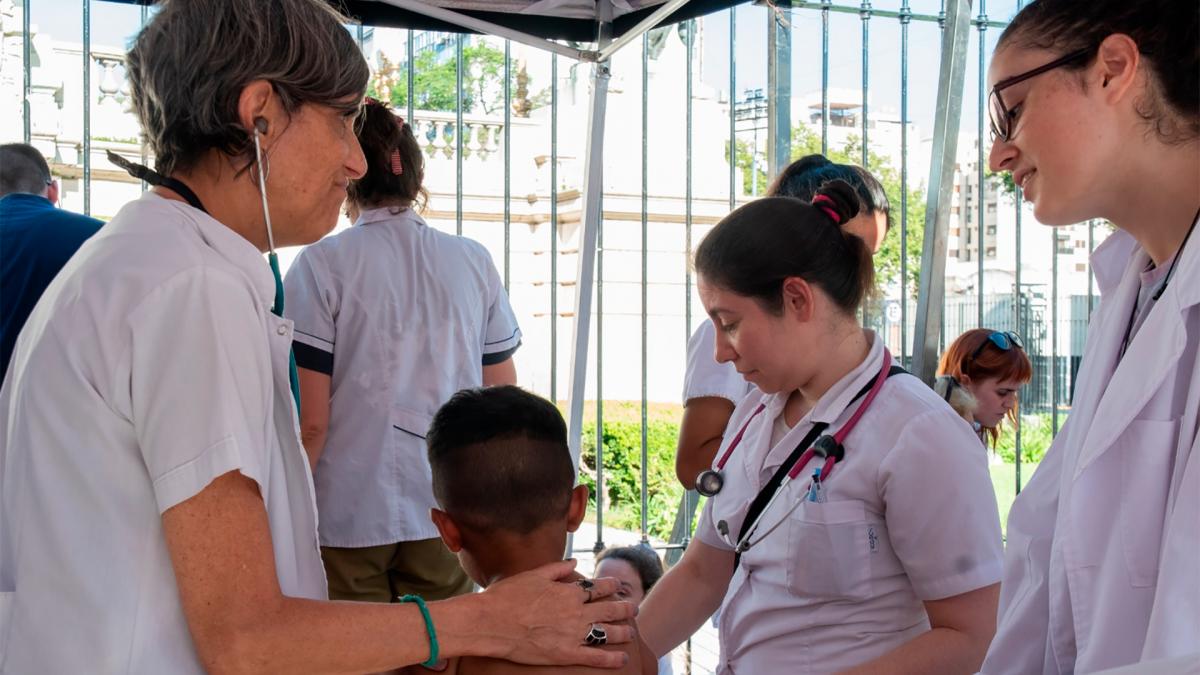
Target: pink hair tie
<point>397,168</point>
<point>820,201</point>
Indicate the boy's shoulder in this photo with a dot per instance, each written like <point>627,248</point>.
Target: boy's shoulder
<point>641,660</point>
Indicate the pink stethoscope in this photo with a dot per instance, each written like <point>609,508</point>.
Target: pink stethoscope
<point>828,447</point>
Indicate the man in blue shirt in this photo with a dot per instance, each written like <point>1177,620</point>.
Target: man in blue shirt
<point>36,238</point>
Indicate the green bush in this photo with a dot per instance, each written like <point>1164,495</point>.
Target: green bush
<point>623,474</point>
<point>1036,433</point>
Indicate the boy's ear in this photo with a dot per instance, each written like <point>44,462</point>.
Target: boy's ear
<point>578,508</point>
<point>446,527</point>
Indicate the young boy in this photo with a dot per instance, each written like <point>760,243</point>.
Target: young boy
<point>503,479</point>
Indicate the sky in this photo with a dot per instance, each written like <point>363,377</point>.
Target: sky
<point>114,24</point>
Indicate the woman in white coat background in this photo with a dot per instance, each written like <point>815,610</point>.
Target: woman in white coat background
<point>891,558</point>
<point>1095,113</point>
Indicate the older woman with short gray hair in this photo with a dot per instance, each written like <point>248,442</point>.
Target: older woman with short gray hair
<point>156,507</point>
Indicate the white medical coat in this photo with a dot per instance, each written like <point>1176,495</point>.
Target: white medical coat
<point>1103,561</point>
<point>151,366</point>
<point>909,515</point>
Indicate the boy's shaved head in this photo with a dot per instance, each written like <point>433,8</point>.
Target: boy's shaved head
<point>500,460</point>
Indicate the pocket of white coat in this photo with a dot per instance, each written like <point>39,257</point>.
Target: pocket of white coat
<point>829,544</point>
<point>410,421</point>
<point>1147,452</point>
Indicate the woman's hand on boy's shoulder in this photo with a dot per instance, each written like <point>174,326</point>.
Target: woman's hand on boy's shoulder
<point>547,620</point>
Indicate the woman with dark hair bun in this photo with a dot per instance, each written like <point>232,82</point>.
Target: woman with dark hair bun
<point>851,523</point>
<point>1095,110</point>
<point>803,177</point>
<point>711,389</point>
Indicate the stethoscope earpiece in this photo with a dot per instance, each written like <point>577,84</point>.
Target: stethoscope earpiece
<point>260,125</point>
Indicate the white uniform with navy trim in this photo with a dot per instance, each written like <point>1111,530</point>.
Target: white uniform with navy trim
<point>1103,562</point>
<point>704,376</point>
<point>401,316</point>
<point>151,366</point>
<point>909,515</point>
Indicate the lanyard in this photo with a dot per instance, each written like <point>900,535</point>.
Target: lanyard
<point>826,449</point>
<point>179,187</point>
<point>814,444</point>
<point>1157,294</point>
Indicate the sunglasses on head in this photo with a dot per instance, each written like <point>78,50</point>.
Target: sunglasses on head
<point>1003,340</point>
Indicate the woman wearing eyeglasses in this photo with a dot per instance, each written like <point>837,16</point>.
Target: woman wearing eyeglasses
<point>1095,109</point>
<point>981,372</point>
<point>848,527</point>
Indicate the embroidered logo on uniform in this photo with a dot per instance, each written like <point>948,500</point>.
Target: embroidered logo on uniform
<point>873,539</point>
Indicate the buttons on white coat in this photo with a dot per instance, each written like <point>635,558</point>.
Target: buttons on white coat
<point>282,330</point>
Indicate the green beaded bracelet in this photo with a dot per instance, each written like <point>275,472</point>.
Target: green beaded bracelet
<point>433,643</point>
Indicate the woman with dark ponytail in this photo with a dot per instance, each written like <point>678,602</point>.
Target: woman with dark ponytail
<point>711,389</point>
<point>1095,111</point>
<point>849,524</point>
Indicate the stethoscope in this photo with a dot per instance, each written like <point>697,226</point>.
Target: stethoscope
<point>152,177</point>
<point>828,447</point>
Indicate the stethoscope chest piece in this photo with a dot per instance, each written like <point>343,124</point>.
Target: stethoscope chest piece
<point>709,483</point>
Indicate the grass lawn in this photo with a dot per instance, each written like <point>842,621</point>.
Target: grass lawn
<point>1004,480</point>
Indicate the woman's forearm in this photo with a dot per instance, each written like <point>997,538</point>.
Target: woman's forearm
<point>962,629</point>
<point>685,597</point>
<point>939,650</point>
<point>310,636</point>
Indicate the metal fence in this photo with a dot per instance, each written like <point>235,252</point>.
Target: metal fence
<point>649,231</point>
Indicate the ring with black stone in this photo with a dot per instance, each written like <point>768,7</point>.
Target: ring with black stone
<point>596,636</point>
<point>587,585</point>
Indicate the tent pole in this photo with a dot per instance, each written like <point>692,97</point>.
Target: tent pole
<point>593,187</point>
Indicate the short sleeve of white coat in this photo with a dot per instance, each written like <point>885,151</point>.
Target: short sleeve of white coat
<point>704,377</point>
<point>200,384</point>
<point>502,336</point>
<point>940,507</point>
<point>1023,620</point>
<point>311,301</point>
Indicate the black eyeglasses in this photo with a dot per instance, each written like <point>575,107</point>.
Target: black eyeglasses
<point>1000,117</point>
<point>1003,340</point>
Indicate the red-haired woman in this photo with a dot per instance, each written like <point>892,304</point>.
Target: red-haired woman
<point>989,366</point>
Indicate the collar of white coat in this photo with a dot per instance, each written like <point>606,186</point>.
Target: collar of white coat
<point>388,213</point>
<point>228,244</point>
<point>1112,259</point>
<point>840,395</point>
<point>1113,392</point>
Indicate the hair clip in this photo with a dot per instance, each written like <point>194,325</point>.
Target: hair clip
<point>397,167</point>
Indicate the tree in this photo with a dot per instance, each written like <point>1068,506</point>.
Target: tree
<point>435,80</point>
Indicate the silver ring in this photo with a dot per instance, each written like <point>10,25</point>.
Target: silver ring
<point>587,585</point>
<point>596,636</point>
